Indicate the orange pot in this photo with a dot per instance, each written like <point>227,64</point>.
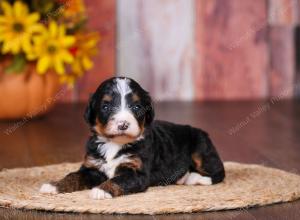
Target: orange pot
<point>28,94</point>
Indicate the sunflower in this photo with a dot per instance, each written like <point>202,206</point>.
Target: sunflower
<point>17,26</point>
<point>51,49</point>
<point>84,48</point>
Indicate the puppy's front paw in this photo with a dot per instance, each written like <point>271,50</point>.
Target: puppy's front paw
<point>47,188</point>
<point>97,193</point>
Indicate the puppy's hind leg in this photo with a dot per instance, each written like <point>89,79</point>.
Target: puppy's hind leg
<point>207,166</point>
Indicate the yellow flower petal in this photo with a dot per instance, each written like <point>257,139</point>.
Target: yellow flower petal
<point>43,64</point>
<point>26,45</point>
<point>16,46</point>
<point>6,47</point>
<point>76,67</point>
<point>33,18</point>
<point>30,55</point>
<point>37,28</point>
<point>3,20</point>
<point>87,63</point>
<point>61,31</point>
<point>69,80</point>
<point>38,40</point>
<point>67,57</point>
<point>7,9</point>
<point>91,43</point>
<point>58,65</point>
<point>20,9</point>
<point>53,29</point>
<point>68,41</point>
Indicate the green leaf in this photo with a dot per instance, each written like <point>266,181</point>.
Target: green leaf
<point>44,7</point>
<point>17,65</point>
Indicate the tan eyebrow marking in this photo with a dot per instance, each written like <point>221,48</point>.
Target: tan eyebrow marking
<point>135,97</point>
<point>107,98</point>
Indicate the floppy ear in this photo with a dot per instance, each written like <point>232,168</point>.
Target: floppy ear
<point>90,111</point>
<point>149,117</point>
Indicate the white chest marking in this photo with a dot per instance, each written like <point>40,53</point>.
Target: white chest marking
<point>109,151</point>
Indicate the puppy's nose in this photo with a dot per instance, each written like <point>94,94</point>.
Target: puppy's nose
<point>123,125</point>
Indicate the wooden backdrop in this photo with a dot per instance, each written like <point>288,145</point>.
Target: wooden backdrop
<point>197,49</point>
<point>102,18</point>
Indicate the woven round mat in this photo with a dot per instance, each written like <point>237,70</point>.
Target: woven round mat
<point>244,186</point>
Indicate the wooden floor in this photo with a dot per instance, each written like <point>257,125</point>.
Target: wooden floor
<point>266,133</point>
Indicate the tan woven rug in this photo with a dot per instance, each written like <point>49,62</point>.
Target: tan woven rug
<point>244,186</point>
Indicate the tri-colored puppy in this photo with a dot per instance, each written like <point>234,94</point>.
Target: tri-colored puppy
<point>128,151</point>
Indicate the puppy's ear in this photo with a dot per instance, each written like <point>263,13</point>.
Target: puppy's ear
<point>149,115</point>
<point>90,111</point>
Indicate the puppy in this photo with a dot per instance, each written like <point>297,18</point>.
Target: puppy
<point>128,151</point>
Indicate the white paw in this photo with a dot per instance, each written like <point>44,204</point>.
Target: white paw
<point>182,180</point>
<point>47,188</point>
<point>196,178</point>
<point>97,193</point>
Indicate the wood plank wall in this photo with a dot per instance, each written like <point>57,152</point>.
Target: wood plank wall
<point>283,17</point>
<point>239,49</point>
<point>196,49</point>
<point>232,45</point>
<point>156,46</point>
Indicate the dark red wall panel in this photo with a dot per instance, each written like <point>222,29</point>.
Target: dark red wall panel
<point>231,49</point>
<point>102,18</point>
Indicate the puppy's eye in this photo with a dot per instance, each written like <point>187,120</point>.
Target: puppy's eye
<point>136,107</point>
<point>105,107</point>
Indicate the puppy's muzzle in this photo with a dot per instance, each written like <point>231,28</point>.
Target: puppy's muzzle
<point>123,125</point>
